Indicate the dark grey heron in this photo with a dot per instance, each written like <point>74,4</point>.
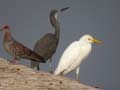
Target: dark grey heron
<point>47,45</point>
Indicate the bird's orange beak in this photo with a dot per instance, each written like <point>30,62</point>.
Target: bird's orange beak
<point>96,41</point>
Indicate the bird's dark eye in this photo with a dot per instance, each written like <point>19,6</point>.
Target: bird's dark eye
<point>89,39</point>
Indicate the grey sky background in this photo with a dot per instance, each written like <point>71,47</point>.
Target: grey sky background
<point>29,21</point>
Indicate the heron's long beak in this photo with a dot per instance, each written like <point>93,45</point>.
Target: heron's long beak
<point>96,41</point>
<point>63,9</point>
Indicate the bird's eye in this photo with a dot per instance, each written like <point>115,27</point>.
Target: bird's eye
<point>89,39</point>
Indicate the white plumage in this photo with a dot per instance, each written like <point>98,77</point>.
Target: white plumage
<point>74,54</point>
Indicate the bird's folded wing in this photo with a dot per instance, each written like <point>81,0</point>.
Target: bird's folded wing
<point>69,56</point>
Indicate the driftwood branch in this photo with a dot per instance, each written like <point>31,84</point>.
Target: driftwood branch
<point>19,77</point>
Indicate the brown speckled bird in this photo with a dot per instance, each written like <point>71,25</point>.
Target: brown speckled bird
<point>47,45</point>
<point>16,49</point>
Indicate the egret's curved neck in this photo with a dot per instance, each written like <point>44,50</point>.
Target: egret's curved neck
<point>55,24</point>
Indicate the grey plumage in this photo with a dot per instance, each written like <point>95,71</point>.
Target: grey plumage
<point>47,45</point>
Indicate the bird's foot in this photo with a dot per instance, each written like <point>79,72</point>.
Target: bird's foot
<point>77,79</point>
<point>97,87</point>
<point>14,61</point>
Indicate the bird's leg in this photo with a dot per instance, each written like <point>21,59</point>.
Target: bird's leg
<point>50,65</point>
<point>38,67</point>
<point>35,65</point>
<point>77,73</point>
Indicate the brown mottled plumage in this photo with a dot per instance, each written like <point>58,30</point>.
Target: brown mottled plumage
<point>47,45</point>
<point>16,49</point>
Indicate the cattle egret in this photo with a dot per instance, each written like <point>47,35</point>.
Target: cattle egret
<point>74,54</point>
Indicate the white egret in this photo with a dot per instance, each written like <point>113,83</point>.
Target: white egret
<point>75,53</point>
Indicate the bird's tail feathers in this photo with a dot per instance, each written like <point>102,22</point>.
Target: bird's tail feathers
<point>35,57</point>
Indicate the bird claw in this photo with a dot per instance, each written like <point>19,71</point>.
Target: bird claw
<point>14,61</point>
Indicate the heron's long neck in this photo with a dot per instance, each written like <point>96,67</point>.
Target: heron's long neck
<point>7,36</point>
<point>56,26</point>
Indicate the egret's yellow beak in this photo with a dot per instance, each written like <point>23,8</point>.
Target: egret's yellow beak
<point>96,41</point>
